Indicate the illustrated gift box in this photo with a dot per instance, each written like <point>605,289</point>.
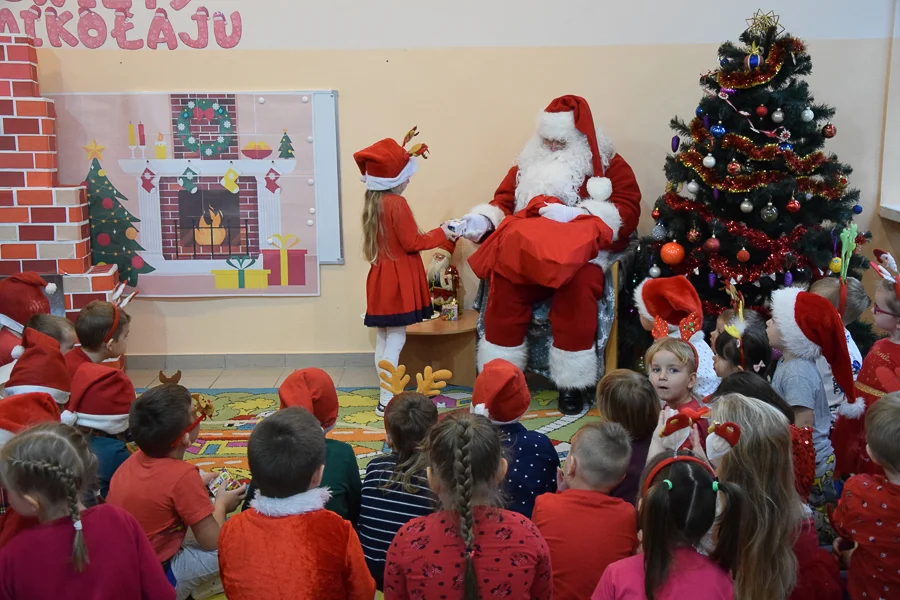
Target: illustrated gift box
<point>243,277</point>
<point>285,266</point>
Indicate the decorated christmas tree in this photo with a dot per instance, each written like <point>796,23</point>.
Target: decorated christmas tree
<point>112,227</point>
<point>751,196</point>
<point>286,147</point>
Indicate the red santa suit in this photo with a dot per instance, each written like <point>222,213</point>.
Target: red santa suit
<point>21,296</point>
<point>600,182</point>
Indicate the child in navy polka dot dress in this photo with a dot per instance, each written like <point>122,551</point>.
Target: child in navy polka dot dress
<point>502,395</point>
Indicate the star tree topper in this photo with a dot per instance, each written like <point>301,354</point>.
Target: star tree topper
<point>94,150</point>
<point>760,22</point>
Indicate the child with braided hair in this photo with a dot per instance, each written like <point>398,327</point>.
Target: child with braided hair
<point>76,552</point>
<point>472,549</point>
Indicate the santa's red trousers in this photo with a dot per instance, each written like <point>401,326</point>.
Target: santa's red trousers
<point>573,311</point>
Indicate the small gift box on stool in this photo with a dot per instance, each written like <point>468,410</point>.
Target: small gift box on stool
<point>242,277</point>
<point>450,311</point>
<point>285,266</point>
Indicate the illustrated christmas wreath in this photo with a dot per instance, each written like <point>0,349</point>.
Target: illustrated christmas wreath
<point>205,110</point>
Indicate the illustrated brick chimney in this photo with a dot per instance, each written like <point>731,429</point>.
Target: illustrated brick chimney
<point>44,226</point>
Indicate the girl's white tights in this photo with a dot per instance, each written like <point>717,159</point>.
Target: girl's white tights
<point>389,342</point>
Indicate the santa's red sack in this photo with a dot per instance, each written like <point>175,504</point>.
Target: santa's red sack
<point>533,250</point>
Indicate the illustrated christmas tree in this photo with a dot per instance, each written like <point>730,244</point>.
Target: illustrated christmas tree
<point>751,197</point>
<point>286,147</point>
<point>113,232</point>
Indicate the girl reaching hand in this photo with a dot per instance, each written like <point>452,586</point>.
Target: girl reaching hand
<point>397,292</point>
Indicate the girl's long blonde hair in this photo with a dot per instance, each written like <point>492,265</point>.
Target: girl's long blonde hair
<point>372,224</point>
<point>53,462</point>
<point>761,463</point>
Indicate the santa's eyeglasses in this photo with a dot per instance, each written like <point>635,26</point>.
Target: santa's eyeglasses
<point>554,144</point>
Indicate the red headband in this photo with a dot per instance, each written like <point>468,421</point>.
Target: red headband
<point>842,304</point>
<point>671,460</point>
<point>115,324</point>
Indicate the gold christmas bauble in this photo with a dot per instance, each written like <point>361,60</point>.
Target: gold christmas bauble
<point>131,233</point>
<point>101,173</point>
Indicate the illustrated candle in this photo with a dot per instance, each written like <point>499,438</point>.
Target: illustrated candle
<point>131,134</point>
<point>160,147</point>
<point>141,138</point>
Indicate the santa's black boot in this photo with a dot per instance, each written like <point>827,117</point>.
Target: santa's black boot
<point>571,402</point>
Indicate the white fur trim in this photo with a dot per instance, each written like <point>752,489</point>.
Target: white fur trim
<point>5,436</point>
<point>68,418</point>
<point>606,212</point>
<point>5,372</point>
<point>573,370</point>
<point>792,338</point>
<point>599,188</point>
<point>716,446</point>
<point>10,324</point>
<point>852,410</point>
<point>50,289</point>
<point>298,504</point>
<point>639,300</point>
<point>493,214</point>
<point>517,355</point>
<point>381,184</point>
<point>17,352</point>
<point>556,126</point>
<point>60,396</point>
<point>602,260</point>
<point>111,424</point>
<point>479,409</point>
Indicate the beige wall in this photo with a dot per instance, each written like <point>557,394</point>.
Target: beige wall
<point>475,108</point>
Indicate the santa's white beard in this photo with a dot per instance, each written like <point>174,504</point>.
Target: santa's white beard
<point>436,268</point>
<point>559,174</point>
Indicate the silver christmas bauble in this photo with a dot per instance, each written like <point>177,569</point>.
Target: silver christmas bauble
<point>746,206</point>
<point>769,213</point>
<point>693,187</point>
<point>807,115</point>
<point>709,161</point>
<point>655,271</point>
<point>658,233</point>
<point>778,116</point>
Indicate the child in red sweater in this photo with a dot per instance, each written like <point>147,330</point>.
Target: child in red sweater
<point>97,552</point>
<point>168,495</point>
<point>583,511</point>
<point>868,513</point>
<point>288,523</point>
<point>102,329</point>
<point>471,549</point>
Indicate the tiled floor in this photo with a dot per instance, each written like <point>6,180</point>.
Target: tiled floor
<point>261,377</point>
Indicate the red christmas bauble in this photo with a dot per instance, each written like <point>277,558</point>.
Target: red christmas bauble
<point>103,239</point>
<point>829,130</point>
<point>693,235</point>
<point>672,253</point>
<point>137,262</point>
<point>107,203</point>
<point>655,214</point>
<point>842,180</point>
<point>711,246</point>
<point>743,255</point>
<point>734,167</point>
<point>793,205</point>
<point>761,111</point>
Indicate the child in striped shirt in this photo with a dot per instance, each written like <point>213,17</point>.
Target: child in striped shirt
<point>395,490</point>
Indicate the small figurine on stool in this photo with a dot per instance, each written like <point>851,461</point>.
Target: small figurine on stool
<point>443,278</point>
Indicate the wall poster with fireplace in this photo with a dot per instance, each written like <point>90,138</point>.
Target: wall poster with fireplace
<point>229,194</point>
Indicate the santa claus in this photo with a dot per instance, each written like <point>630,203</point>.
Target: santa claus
<point>567,160</point>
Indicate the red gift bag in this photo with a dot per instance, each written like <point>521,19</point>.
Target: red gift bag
<point>533,250</point>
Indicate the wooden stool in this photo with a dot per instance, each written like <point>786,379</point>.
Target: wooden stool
<point>443,345</point>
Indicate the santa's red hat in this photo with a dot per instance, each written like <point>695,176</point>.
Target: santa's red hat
<point>22,411</point>
<point>669,298</point>
<point>566,116</point>
<point>500,393</point>
<point>386,164</point>
<point>446,248</point>
<point>313,390</point>
<point>40,368</point>
<point>101,399</point>
<point>811,327</point>
<point>722,438</point>
<point>23,296</point>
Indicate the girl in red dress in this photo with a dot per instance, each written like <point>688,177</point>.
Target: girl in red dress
<point>472,549</point>
<point>396,289</point>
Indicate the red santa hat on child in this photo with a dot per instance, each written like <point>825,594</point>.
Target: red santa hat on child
<point>313,390</point>
<point>500,393</point>
<point>386,164</point>
<point>22,411</point>
<point>566,116</point>
<point>101,399</point>
<point>40,368</point>
<point>811,327</point>
<point>23,296</point>
<point>669,298</point>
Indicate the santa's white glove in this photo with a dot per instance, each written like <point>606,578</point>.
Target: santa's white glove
<point>561,212</point>
<point>476,226</point>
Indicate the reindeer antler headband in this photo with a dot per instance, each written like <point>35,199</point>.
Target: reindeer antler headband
<point>417,149</point>
<point>429,383</point>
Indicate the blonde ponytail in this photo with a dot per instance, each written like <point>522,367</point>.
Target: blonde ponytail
<point>373,228</point>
